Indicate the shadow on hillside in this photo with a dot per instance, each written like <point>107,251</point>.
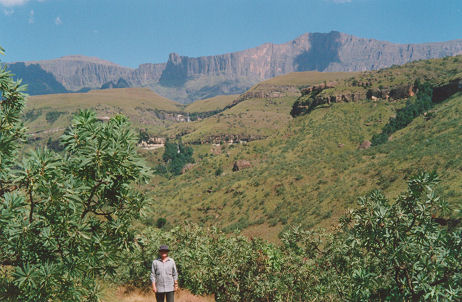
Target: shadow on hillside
<point>37,79</point>
<point>323,51</point>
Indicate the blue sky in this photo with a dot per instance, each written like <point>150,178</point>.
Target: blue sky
<point>131,32</point>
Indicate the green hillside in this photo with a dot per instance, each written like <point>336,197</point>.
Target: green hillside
<point>311,171</point>
<point>305,78</point>
<point>311,168</point>
<point>211,104</point>
<point>393,83</point>
<point>49,115</point>
<point>257,113</point>
<point>306,169</point>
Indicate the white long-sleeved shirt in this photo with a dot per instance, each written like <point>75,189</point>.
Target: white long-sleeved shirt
<point>164,274</point>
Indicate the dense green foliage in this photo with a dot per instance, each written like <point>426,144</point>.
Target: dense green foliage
<point>194,116</point>
<point>309,172</point>
<point>52,116</point>
<point>381,251</point>
<point>143,135</point>
<point>175,157</point>
<point>64,218</point>
<point>415,106</point>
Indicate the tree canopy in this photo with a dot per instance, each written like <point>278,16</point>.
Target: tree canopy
<point>384,250</point>
<point>64,217</point>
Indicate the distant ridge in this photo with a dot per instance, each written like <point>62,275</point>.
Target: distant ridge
<point>185,79</point>
<point>76,58</point>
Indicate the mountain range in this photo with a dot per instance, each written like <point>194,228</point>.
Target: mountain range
<point>186,79</point>
<point>295,149</point>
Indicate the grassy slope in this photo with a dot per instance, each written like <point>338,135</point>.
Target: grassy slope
<point>201,87</point>
<point>210,104</point>
<point>305,78</point>
<point>435,71</point>
<point>256,117</point>
<point>139,104</point>
<point>300,175</point>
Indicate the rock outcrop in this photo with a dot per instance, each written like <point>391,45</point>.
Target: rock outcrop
<point>332,51</point>
<point>445,91</point>
<point>267,92</point>
<point>241,165</point>
<point>77,72</point>
<point>326,94</point>
<point>187,167</point>
<point>365,145</point>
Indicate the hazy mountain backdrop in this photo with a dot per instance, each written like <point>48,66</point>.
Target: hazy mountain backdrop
<point>186,79</point>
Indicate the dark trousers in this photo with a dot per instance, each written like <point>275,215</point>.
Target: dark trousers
<point>160,297</point>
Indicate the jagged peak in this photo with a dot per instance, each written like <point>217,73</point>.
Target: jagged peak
<point>175,58</point>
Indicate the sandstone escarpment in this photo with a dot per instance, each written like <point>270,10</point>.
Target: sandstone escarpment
<point>77,72</point>
<point>352,91</point>
<point>332,51</point>
<point>328,93</point>
<point>235,72</point>
<point>445,91</point>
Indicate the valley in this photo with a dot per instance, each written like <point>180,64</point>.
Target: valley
<point>305,168</point>
<point>230,151</point>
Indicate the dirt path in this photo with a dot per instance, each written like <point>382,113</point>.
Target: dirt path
<point>120,295</point>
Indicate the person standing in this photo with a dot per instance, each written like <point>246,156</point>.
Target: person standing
<point>164,276</point>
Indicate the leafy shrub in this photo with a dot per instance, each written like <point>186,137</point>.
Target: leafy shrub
<point>54,145</point>
<point>64,218</point>
<point>32,115</point>
<point>219,171</point>
<point>52,116</point>
<point>382,251</point>
<point>176,156</point>
<point>143,135</point>
<point>160,223</point>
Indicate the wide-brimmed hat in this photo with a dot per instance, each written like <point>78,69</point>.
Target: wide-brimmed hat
<point>164,248</point>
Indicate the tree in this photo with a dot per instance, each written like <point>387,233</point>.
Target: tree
<point>64,217</point>
<point>176,156</point>
<point>401,250</point>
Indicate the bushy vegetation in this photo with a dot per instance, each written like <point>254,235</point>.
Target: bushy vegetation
<point>415,106</point>
<point>32,115</point>
<point>143,135</point>
<point>194,116</point>
<point>52,116</point>
<point>67,219</point>
<point>64,217</point>
<point>392,82</point>
<point>310,171</point>
<point>403,250</point>
<point>175,157</point>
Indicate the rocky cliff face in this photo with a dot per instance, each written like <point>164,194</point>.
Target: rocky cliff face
<point>77,72</point>
<point>332,51</point>
<point>146,74</point>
